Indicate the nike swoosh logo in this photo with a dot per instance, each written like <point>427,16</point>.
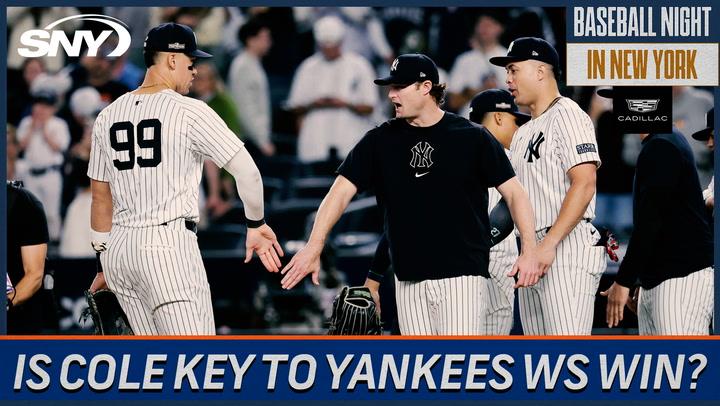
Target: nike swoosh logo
<point>418,175</point>
<point>592,231</point>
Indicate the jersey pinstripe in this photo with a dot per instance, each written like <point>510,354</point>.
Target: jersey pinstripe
<point>151,148</point>
<point>450,306</point>
<point>678,306</point>
<point>543,150</point>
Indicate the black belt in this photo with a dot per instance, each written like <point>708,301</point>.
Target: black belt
<point>43,171</point>
<point>547,229</point>
<point>190,225</point>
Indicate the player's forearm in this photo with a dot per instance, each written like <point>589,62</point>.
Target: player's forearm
<point>249,184</point>
<point>573,208</point>
<point>33,261</point>
<point>523,215</point>
<point>101,207</point>
<point>330,210</point>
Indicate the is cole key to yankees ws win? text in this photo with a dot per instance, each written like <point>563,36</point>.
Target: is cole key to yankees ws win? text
<point>638,22</point>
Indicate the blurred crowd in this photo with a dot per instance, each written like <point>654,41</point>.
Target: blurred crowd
<point>295,84</point>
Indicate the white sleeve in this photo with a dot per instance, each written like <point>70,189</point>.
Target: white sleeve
<point>575,135</point>
<point>61,133</point>
<point>301,91</point>
<point>99,167</point>
<point>209,135</point>
<point>367,91</point>
<point>249,184</point>
<point>710,191</point>
<point>246,91</point>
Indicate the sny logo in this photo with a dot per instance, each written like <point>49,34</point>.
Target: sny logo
<point>421,157</point>
<point>47,41</point>
<point>642,105</point>
<point>533,148</point>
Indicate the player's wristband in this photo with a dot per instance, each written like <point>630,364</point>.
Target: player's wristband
<point>374,276</point>
<point>255,223</point>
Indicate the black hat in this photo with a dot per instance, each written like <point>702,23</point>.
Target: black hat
<point>526,48</point>
<point>172,37</point>
<point>705,133</point>
<point>410,68</point>
<point>493,100</point>
<point>45,97</point>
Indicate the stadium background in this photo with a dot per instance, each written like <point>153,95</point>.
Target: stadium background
<point>246,298</point>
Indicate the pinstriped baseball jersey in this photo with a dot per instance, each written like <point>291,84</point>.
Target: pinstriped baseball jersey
<point>545,148</point>
<point>150,148</point>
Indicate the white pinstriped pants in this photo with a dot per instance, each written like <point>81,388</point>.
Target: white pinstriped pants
<point>451,306</point>
<point>500,288</point>
<point>678,306</point>
<point>562,303</point>
<point>159,278</point>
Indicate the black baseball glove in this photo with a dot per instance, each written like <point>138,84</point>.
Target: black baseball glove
<point>354,313</point>
<point>106,313</point>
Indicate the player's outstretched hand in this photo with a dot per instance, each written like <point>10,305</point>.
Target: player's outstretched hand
<point>527,269</point>
<point>617,297</point>
<point>306,261</point>
<point>263,241</point>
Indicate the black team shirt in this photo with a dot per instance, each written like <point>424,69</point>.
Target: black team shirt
<point>431,183</point>
<point>671,233</point>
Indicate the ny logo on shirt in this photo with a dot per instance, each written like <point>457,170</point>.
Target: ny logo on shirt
<point>421,155</point>
<point>533,148</point>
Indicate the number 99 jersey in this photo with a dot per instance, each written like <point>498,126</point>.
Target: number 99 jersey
<point>150,148</point>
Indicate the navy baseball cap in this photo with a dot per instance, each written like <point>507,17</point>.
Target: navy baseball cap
<point>172,37</point>
<point>705,133</point>
<point>526,48</point>
<point>493,100</point>
<point>410,68</point>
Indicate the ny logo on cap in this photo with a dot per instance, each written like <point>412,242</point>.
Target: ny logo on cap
<point>502,106</point>
<point>394,65</point>
<point>176,45</point>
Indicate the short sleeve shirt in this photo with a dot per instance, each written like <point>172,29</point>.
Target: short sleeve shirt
<point>431,183</point>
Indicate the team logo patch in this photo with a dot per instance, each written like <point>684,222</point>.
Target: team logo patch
<point>533,149</point>
<point>502,106</point>
<point>176,45</point>
<point>642,105</point>
<point>585,148</point>
<point>421,158</point>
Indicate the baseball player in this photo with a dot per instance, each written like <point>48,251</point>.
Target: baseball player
<point>430,171</point>
<point>496,110</point>
<point>707,135</point>
<point>555,157</point>
<point>671,247</point>
<point>148,148</point>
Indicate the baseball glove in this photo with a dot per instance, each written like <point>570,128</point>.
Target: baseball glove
<point>354,313</point>
<point>106,313</point>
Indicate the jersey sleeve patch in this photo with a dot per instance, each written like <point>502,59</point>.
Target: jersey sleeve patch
<point>585,148</point>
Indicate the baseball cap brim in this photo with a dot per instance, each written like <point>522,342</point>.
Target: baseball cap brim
<point>520,118</point>
<point>702,135</point>
<point>200,54</point>
<point>389,80</point>
<point>606,92</point>
<point>505,60</point>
